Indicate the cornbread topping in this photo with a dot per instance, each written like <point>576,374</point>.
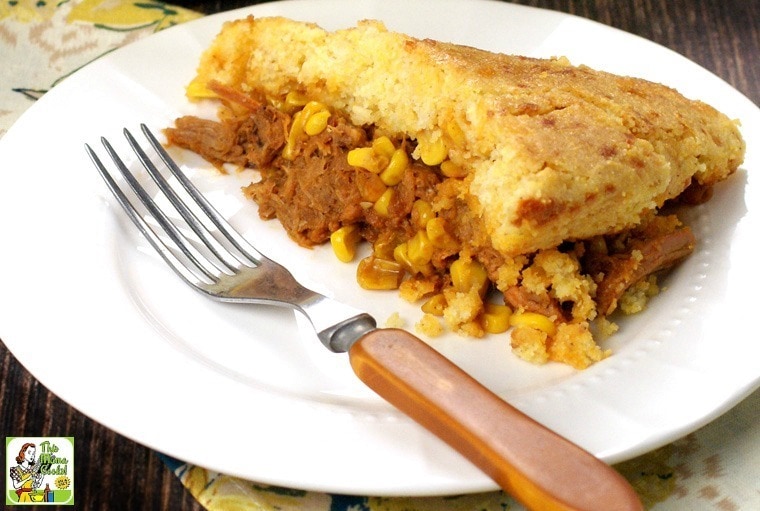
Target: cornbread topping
<point>471,174</point>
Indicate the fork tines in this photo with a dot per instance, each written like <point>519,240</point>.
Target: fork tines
<point>210,247</point>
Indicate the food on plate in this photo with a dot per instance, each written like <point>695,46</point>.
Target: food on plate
<point>498,191</point>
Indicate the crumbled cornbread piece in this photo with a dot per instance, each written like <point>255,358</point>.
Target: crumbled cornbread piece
<point>430,326</point>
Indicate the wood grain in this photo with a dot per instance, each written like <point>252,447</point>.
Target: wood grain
<point>113,472</point>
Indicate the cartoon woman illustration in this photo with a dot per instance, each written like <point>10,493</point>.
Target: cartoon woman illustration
<point>25,475</point>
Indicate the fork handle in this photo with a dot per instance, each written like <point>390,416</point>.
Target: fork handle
<point>535,465</point>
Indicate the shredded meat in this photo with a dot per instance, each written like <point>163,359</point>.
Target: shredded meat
<point>521,298</point>
<point>644,256</point>
<point>215,141</point>
<point>315,193</point>
<point>252,138</point>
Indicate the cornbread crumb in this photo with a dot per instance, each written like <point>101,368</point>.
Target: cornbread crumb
<point>414,289</point>
<point>604,327</point>
<point>530,344</point>
<point>637,296</point>
<point>574,345</point>
<point>462,311</point>
<point>429,325</point>
<point>395,321</point>
<point>508,274</point>
<point>558,275</point>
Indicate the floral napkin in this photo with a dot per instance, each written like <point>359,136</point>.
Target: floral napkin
<point>715,468</point>
<point>44,41</point>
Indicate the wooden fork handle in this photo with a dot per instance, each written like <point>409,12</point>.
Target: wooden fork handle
<point>535,465</point>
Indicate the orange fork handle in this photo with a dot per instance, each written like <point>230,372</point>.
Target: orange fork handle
<point>538,467</point>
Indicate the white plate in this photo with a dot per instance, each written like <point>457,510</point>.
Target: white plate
<point>97,318</point>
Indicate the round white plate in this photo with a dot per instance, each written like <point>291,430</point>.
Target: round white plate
<point>93,313</point>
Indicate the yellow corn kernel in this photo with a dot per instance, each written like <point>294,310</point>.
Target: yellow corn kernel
<point>360,157</point>
<point>394,172</point>
<point>317,122</point>
<point>375,273</point>
<point>467,274</point>
<point>296,130</point>
<point>198,90</point>
<point>533,320</point>
<point>383,145</point>
<point>294,99</point>
<point>496,318</point>
<point>368,159</point>
<point>401,256</point>
<point>344,242</point>
<point>455,133</point>
<point>435,305</point>
<point>436,231</point>
<point>432,152</point>
<point>422,213</point>
<point>383,203</point>
<point>451,169</point>
<point>383,248</point>
<point>312,107</point>
<point>419,249</point>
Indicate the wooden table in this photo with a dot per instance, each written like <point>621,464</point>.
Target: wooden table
<point>115,473</point>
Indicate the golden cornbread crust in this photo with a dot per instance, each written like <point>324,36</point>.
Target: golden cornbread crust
<point>554,152</point>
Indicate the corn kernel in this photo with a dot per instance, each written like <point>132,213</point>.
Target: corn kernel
<point>366,158</point>
<point>436,228</point>
<point>312,107</point>
<point>401,256</point>
<point>436,231</point>
<point>377,274</point>
<point>199,90</point>
<point>383,145</point>
<point>468,274</point>
<point>432,152</point>
<point>360,157</point>
<point>344,242</point>
<point>317,122</point>
<point>455,133</point>
<point>435,305</point>
<point>383,248</point>
<point>383,203</point>
<point>296,130</point>
<point>422,213</point>
<point>294,99</point>
<point>451,169</point>
<point>419,249</point>
<point>394,172</point>
<point>496,318</point>
<point>533,320</point>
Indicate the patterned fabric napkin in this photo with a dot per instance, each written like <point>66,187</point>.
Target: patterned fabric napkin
<point>43,41</point>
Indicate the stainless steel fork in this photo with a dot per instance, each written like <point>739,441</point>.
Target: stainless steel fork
<point>538,467</point>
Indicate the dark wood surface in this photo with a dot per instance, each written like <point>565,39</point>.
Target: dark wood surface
<point>113,472</point>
